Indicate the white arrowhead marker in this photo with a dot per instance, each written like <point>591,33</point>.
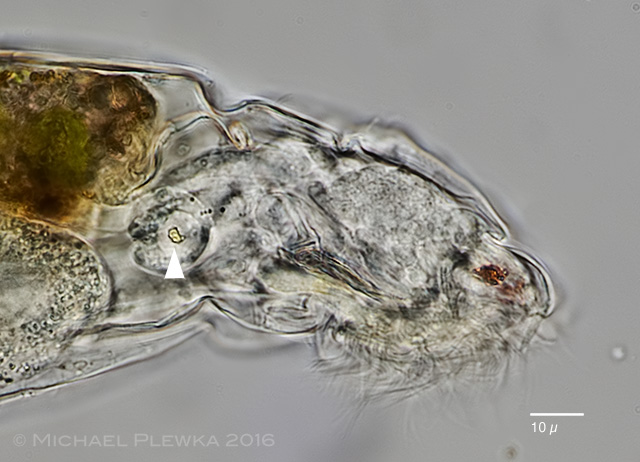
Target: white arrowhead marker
<point>174,271</point>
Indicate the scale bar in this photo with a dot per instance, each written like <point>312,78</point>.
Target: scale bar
<point>557,414</point>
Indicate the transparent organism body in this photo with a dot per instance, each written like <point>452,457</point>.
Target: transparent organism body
<point>392,266</point>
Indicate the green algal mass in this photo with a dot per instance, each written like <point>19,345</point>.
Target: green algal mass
<point>57,149</point>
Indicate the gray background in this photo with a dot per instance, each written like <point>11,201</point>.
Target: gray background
<point>538,102</point>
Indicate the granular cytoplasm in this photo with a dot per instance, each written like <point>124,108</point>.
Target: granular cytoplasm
<point>353,239</point>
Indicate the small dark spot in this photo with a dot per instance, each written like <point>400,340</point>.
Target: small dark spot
<point>491,274</point>
<point>259,287</point>
<point>35,76</point>
<point>511,453</point>
<point>344,327</point>
<point>459,258</point>
<point>317,189</point>
<point>50,205</point>
<point>222,210</point>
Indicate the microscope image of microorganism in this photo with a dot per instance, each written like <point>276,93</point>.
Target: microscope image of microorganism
<point>353,239</point>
